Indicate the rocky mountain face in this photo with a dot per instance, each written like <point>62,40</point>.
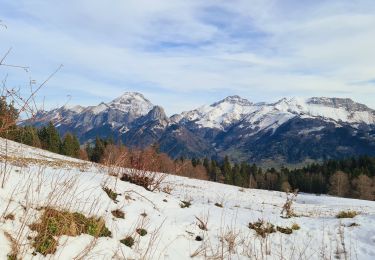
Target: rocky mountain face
<point>291,130</point>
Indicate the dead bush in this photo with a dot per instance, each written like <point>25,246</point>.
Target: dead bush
<point>202,223</point>
<point>287,210</point>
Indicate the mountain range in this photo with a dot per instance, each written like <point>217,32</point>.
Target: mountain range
<point>289,131</point>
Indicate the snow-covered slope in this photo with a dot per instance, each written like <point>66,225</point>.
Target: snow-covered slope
<point>36,179</point>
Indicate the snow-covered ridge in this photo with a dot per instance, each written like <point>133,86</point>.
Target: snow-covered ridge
<point>220,115</point>
<point>271,115</point>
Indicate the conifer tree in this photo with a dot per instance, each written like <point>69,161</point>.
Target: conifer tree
<point>98,150</point>
<point>70,146</point>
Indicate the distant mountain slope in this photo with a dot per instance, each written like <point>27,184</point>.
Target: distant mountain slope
<point>291,130</point>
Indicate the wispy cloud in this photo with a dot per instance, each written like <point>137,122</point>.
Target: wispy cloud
<point>173,51</point>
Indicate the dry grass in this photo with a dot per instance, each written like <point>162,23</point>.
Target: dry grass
<point>347,214</point>
<point>13,255</point>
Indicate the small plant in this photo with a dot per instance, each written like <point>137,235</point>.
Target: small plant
<point>262,228</point>
<point>283,230</point>
<point>202,224</point>
<point>111,194</point>
<point>167,189</point>
<point>128,241</point>
<point>347,214</point>
<point>141,231</point>
<point>295,226</point>
<point>118,213</point>
<point>185,204</point>
<point>287,211</point>
<point>218,205</point>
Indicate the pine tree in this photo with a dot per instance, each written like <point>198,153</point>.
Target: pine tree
<point>29,136</point>
<point>50,138</point>
<point>70,146</point>
<point>98,150</point>
<point>76,147</point>
<point>227,171</point>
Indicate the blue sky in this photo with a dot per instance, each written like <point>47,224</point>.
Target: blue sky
<point>182,54</point>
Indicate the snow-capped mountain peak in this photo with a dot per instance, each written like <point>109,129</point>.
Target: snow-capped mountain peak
<point>233,100</point>
<point>220,114</point>
<point>132,102</point>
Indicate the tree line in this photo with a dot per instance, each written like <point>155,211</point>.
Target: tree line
<point>351,177</point>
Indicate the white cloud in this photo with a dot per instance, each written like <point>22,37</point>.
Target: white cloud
<point>260,49</point>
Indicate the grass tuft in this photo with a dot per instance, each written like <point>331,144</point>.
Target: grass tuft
<point>128,241</point>
<point>295,226</point>
<point>54,223</point>
<point>111,194</point>
<point>118,213</point>
<point>185,204</point>
<point>347,214</point>
<point>141,231</point>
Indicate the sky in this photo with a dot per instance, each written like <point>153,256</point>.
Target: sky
<point>181,54</point>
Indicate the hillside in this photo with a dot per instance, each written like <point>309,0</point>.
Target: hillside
<point>37,182</point>
<point>289,131</point>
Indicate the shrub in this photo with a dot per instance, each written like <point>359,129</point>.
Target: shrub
<point>151,181</point>
<point>347,214</point>
<point>141,231</point>
<point>54,223</point>
<point>128,241</point>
